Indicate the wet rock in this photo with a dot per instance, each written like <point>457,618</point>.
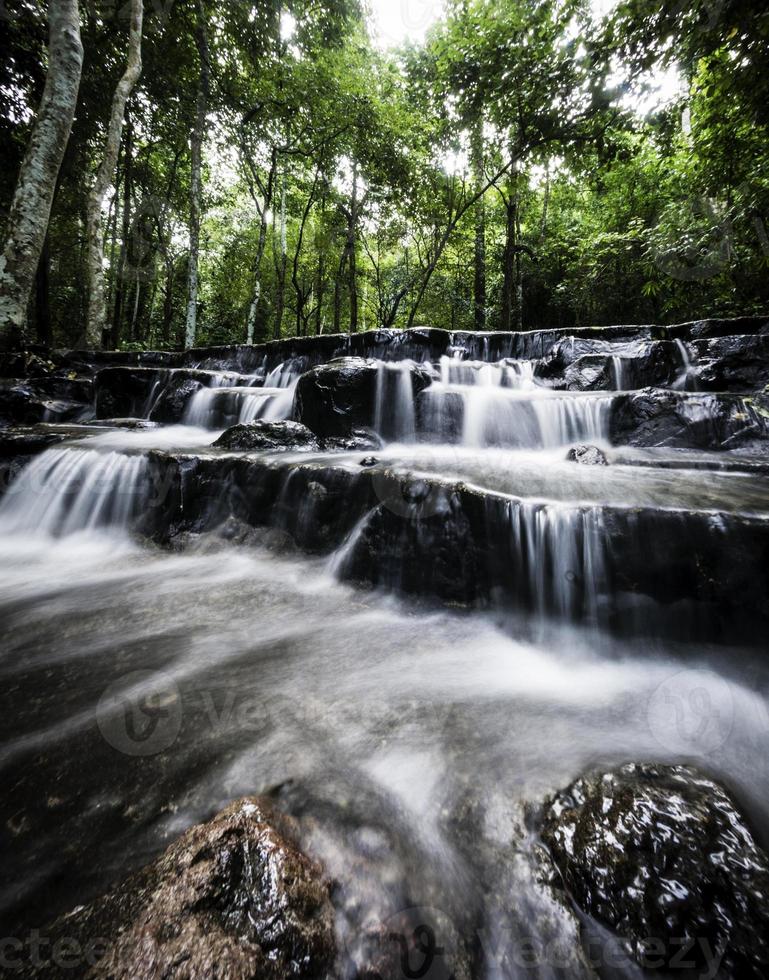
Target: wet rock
<point>663,856</point>
<point>21,403</point>
<point>701,329</point>
<point>359,440</point>
<point>731,363</point>
<point>369,461</point>
<point>134,425</point>
<point>124,392</point>
<point>590,373</point>
<point>269,437</point>
<point>340,396</point>
<point>460,543</point>
<point>656,417</point>
<point>64,387</point>
<point>232,898</point>
<point>587,456</point>
<point>24,364</point>
<point>588,364</point>
<point>170,406</point>
<point>157,393</point>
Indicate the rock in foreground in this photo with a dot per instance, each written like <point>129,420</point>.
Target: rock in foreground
<point>662,855</point>
<point>232,898</point>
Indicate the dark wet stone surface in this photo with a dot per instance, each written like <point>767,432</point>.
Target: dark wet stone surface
<point>268,436</point>
<point>658,417</point>
<point>662,855</point>
<point>233,898</point>
<point>339,397</point>
<point>359,440</point>
<point>731,363</point>
<point>587,456</point>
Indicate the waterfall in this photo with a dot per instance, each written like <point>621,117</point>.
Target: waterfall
<point>504,374</point>
<point>558,555</point>
<point>618,370</point>
<point>74,489</point>
<point>487,415</point>
<point>221,406</point>
<point>394,413</point>
<point>572,418</point>
<point>553,557</point>
<point>684,380</point>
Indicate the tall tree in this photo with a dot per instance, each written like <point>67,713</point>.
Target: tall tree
<point>96,322</point>
<point>32,200</point>
<point>196,148</point>
<point>479,279</point>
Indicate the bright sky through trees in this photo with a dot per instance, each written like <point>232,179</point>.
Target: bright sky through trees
<point>397,21</point>
<point>403,20</point>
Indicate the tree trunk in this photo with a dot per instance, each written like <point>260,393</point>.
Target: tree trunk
<point>196,147</point>
<point>518,272</point>
<point>97,309</point>
<point>479,286</point>
<point>302,293</point>
<point>117,315</point>
<point>351,252</point>
<point>508,264</point>
<point>253,309</point>
<point>338,291</point>
<point>30,209</point>
<point>42,297</point>
<point>282,263</point>
<point>545,203</point>
<point>320,289</point>
<point>168,301</point>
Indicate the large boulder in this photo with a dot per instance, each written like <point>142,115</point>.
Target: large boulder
<point>731,363</point>
<point>656,417</point>
<point>233,898</point>
<point>264,436</point>
<point>340,396</point>
<point>662,855</point>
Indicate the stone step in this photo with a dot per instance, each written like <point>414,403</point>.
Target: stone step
<point>161,394</point>
<point>685,571</point>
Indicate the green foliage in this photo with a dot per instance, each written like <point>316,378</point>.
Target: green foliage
<point>596,212</point>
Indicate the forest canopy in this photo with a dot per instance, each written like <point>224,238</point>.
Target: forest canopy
<point>278,171</point>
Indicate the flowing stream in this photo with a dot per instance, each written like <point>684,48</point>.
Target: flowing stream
<point>145,688</point>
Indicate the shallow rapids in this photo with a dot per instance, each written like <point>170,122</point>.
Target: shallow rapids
<point>142,690</point>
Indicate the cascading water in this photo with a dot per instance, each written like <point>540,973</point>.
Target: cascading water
<point>221,406</point>
<point>500,404</point>
<point>488,415</point>
<point>685,379</point>
<point>618,370</point>
<point>505,374</point>
<point>69,490</point>
<point>412,742</point>
<point>394,414</point>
